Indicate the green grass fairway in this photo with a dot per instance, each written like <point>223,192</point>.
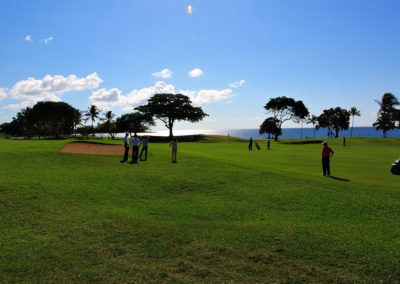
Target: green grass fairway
<point>221,214</point>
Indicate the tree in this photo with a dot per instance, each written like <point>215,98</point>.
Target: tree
<point>134,122</point>
<point>353,112</point>
<point>86,130</point>
<point>10,128</point>
<point>334,118</point>
<point>387,114</point>
<point>109,125</point>
<point>170,108</point>
<point>16,126</point>
<point>108,116</point>
<point>284,109</point>
<point>314,121</point>
<point>52,118</point>
<point>44,119</point>
<point>92,113</point>
<point>270,126</point>
<point>77,120</point>
<point>101,129</point>
<point>21,123</point>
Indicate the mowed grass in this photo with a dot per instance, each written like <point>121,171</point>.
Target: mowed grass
<point>221,214</point>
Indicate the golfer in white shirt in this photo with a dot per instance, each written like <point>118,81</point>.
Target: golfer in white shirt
<point>135,142</point>
<point>126,145</point>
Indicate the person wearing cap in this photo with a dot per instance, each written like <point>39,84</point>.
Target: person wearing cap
<point>135,142</point>
<point>126,146</point>
<point>327,153</point>
<point>145,141</point>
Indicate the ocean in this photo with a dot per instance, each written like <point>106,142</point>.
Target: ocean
<point>288,133</point>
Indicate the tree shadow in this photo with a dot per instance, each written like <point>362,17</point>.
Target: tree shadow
<point>338,178</point>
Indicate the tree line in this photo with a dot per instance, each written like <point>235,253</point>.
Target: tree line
<point>282,109</point>
<point>59,118</point>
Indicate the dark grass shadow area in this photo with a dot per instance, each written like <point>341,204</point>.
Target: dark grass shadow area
<point>338,178</point>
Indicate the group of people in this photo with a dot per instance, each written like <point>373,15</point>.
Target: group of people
<point>258,146</point>
<point>327,153</point>
<point>135,144</point>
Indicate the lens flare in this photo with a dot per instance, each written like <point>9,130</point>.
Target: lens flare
<point>189,9</point>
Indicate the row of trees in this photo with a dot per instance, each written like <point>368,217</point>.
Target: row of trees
<point>168,108</point>
<point>282,109</point>
<point>59,118</point>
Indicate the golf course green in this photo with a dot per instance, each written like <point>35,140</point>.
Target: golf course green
<point>221,214</point>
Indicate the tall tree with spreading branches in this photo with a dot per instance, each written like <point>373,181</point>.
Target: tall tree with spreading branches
<point>170,108</point>
<point>284,109</point>
<point>270,126</point>
<point>334,118</point>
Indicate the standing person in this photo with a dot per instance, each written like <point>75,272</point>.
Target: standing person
<point>145,141</point>
<point>327,153</point>
<point>251,144</point>
<point>135,142</point>
<point>174,147</point>
<point>344,141</point>
<point>126,146</point>
<point>269,143</point>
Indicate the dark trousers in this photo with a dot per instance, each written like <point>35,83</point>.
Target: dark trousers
<point>174,155</point>
<point>126,153</point>
<point>135,154</point>
<point>144,149</point>
<point>251,146</point>
<point>326,165</point>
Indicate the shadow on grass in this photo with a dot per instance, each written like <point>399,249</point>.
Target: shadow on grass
<point>338,178</point>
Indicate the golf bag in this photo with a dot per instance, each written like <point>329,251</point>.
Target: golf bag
<point>396,167</point>
<point>257,146</point>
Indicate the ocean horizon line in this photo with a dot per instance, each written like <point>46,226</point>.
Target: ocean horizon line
<point>287,133</point>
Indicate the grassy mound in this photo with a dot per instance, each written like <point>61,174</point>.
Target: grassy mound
<point>221,214</point>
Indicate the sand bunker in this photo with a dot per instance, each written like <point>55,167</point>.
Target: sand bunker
<point>92,148</point>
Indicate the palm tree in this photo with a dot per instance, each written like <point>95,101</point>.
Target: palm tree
<point>77,118</point>
<point>109,124</point>
<point>92,113</point>
<point>108,116</point>
<point>314,121</point>
<point>353,112</point>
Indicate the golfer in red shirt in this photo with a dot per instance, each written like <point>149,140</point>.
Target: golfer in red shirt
<point>327,153</point>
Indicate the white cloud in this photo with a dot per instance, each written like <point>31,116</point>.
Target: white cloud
<point>237,84</point>
<point>196,72</point>
<point>165,73</point>
<point>31,91</point>
<point>113,97</point>
<point>51,86</point>
<point>204,97</point>
<point>18,106</point>
<point>3,94</point>
<point>47,40</point>
<point>28,38</point>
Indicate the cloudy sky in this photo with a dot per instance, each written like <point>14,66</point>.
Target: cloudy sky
<point>229,56</point>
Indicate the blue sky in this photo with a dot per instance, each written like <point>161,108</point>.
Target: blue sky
<point>242,52</point>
